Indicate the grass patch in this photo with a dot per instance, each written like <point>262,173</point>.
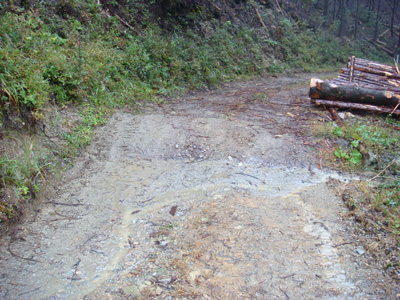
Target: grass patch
<point>369,146</point>
<point>25,170</point>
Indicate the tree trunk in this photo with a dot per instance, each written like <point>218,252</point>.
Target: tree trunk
<point>377,20</point>
<point>326,8</point>
<point>341,16</point>
<point>357,15</point>
<point>320,89</point>
<point>334,10</point>
<point>392,20</point>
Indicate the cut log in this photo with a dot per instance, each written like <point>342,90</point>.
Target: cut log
<point>366,107</point>
<point>320,89</point>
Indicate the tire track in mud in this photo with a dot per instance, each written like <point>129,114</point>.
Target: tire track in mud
<point>253,219</point>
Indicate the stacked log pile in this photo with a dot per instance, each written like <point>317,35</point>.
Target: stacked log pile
<point>362,85</point>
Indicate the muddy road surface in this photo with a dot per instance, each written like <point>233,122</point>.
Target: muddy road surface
<point>213,196</point>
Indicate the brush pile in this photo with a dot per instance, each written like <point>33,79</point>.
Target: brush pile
<point>361,85</point>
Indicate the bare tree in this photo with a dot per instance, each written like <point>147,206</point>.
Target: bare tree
<point>357,16</point>
<point>394,6</point>
<point>377,20</point>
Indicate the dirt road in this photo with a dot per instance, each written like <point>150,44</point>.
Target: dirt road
<point>214,196</point>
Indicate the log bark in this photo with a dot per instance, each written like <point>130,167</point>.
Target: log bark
<point>365,107</point>
<point>320,89</point>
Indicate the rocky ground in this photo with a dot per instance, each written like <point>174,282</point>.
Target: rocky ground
<point>212,196</point>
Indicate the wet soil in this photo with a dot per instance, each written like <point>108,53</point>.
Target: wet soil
<point>211,196</point>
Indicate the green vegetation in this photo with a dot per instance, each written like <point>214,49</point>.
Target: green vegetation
<point>24,170</point>
<point>371,145</point>
<point>98,56</point>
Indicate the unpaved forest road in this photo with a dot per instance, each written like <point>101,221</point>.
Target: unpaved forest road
<point>254,218</point>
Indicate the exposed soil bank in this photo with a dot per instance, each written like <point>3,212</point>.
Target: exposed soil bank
<point>213,196</point>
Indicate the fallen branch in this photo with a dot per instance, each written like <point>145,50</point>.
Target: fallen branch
<point>127,25</point>
<point>216,7</point>
<point>259,17</point>
<point>342,244</point>
<point>366,107</point>
<point>118,17</point>
<point>31,291</point>
<point>382,171</point>
<point>65,204</point>
<point>288,276</point>
<point>244,174</point>
<point>287,296</point>
<point>336,117</point>
<point>279,7</point>
<point>21,257</point>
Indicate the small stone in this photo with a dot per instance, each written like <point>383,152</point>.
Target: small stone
<point>163,244</point>
<point>159,291</point>
<point>360,251</point>
<point>197,273</point>
<point>131,290</point>
<point>173,210</point>
<point>147,282</point>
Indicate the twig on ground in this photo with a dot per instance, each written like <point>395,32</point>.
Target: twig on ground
<point>77,263</point>
<point>244,174</point>
<point>31,291</point>
<point>382,171</point>
<point>19,256</point>
<point>288,276</point>
<point>92,237</point>
<point>341,244</point>
<point>65,204</point>
<point>65,217</point>
<point>287,296</point>
<point>74,278</point>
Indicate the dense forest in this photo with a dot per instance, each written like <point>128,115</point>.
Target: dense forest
<point>100,54</point>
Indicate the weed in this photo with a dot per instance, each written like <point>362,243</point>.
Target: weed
<point>24,170</point>
<point>377,137</point>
